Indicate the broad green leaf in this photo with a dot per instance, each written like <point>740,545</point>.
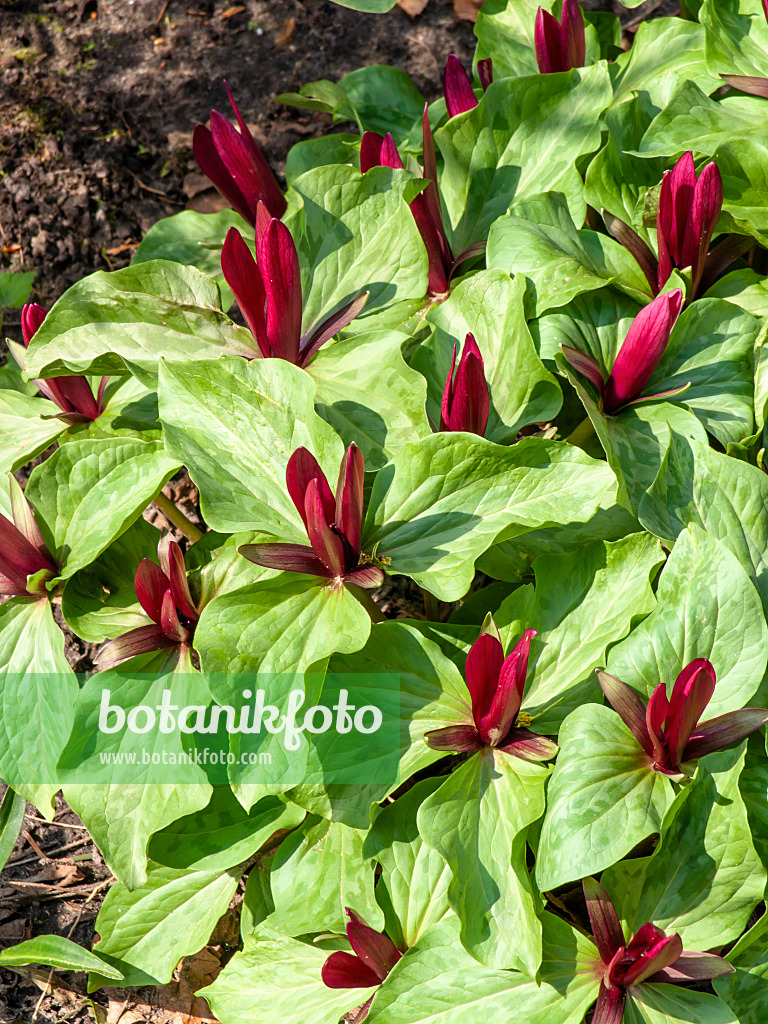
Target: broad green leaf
<point>504,31</point>
<point>704,879</point>
<point>259,412</point>
<point>89,492</point>
<point>222,834</point>
<point>56,951</point>
<point>354,233</point>
<point>194,239</point>
<point>146,932</point>
<point>130,410</point>
<point>338,148</point>
<point>538,238</point>
<point>445,499</point>
<point>12,809</point>
<point>726,497</point>
<point>672,1004</point>
<point>707,607</point>
<point>744,288</point>
<point>319,871</point>
<point>754,790</point>
<point>522,139</point>
<point>28,426</point>
<point>121,816</point>
<point>257,900</point>
<point>15,288</point>
<point>385,99</point>
<point>126,321</point>
<point>744,169</point>
<point>583,602</point>
<point>602,800</point>
<point>477,821</point>
<point>437,982</point>
<point>369,395</point>
<point>736,37</point>
<point>746,991</point>
<point>37,695</point>
<point>489,305</point>
<point>415,875</point>
<point>278,978</point>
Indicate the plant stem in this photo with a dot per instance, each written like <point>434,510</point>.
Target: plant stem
<point>177,517</point>
<point>365,599</point>
<point>431,606</point>
<point>582,433</point>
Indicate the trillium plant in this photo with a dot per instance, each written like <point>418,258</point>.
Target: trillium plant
<point>425,486</point>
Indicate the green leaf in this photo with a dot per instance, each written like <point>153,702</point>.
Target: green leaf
<point>15,288</point>
<point>746,991</point>
<point>222,834</point>
<point>583,602</point>
<point>744,288</point>
<point>318,871</point>
<point>278,978</point>
<point>259,412</point>
<point>477,821</point>
<point>522,139</point>
<point>257,899</point>
<point>736,37</point>
<point>444,500</point>
<point>130,411</point>
<point>708,894</point>
<point>707,607</point>
<point>743,166</point>
<point>37,695</point>
<point>369,395</point>
<point>56,951</point>
<point>89,492</point>
<point>416,876</point>
<point>338,148</point>
<point>28,426</point>
<point>439,983</point>
<point>12,809</point>
<point>489,305</point>
<point>754,790</point>
<point>385,99</point>
<point>602,800</point>
<point>538,238</point>
<point>504,31</point>
<point>672,1004</point>
<point>127,320</point>
<point>147,931</point>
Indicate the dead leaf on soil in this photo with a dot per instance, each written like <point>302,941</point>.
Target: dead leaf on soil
<point>467,10</point>
<point>207,202</point>
<point>232,11</point>
<point>412,7</point>
<point>194,184</point>
<point>285,33</point>
<point>178,140</point>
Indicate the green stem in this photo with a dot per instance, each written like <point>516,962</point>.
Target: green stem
<point>582,433</point>
<point>177,517</point>
<point>365,599</point>
<point>431,606</point>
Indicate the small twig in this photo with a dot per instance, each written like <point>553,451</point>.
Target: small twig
<point>148,188</point>
<point>34,845</point>
<point>174,515</point>
<point>48,856</point>
<point>162,12</point>
<point>58,824</point>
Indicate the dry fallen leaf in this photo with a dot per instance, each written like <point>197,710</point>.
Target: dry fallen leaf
<point>285,33</point>
<point>180,139</point>
<point>467,10</point>
<point>232,11</point>
<point>194,183</point>
<point>117,250</point>
<point>412,7</point>
<point>207,202</point>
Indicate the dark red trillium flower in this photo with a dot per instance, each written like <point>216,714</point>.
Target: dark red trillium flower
<point>268,292</point>
<point>374,957</point>
<point>457,88</point>
<point>754,84</point>
<point>650,957</point>
<point>560,45</point>
<point>72,395</point>
<point>236,166</point>
<point>381,151</point>
<point>334,524</point>
<point>669,730</point>
<point>496,686</point>
<point>638,357</point>
<point>26,564</point>
<point>466,400</point>
<point>163,592</point>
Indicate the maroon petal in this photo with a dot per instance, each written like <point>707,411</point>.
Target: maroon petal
<point>447,403</point>
<point>485,72</point>
<point>498,720</point>
<point>664,229</point>
<point>646,936</point>
<point>237,156</point>
<point>377,951</point>
<point>606,928</point>
<point>476,249</point>
<point>325,543</point>
<point>433,236</point>
<point>169,620</point>
<point>390,157</point>
<point>242,275</point>
<point>586,365</point>
<point>303,467</point>
<point>460,739</point>
<point>24,521</point>
<point>707,204</point>
<point>213,167</point>
<point>547,42</point>
<point>628,706</point>
<point>287,557</point>
<point>172,563</point>
<point>267,191</point>
<point>100,394</point>
<point>692,692</point>
<point>361,1012</point>
<point>457,89</point>
<point>32,316</point>
<point>683,184</point>
<point>482,668</point>
<point>636,247</point>
<point>77,392</point>
<point>349,499</point>
<point>18,555</point>
<point>641,350</point>
<point>661,954</point>
<point>693,967</point>
<point>431,196</point>
<point>368,577</point>
<point>279,265</point>
<point>312,341</point>
<point>343,970</point>
<point>655,716</point>
<point>723,731</point>
<point>370,150</point>
<point>609,1008</point>
<point>470,402</point>
<point>573,35</point>
<point>529,746</point>
<point>143,640</point>
<point>151,584</point>
<point>748,83</point>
